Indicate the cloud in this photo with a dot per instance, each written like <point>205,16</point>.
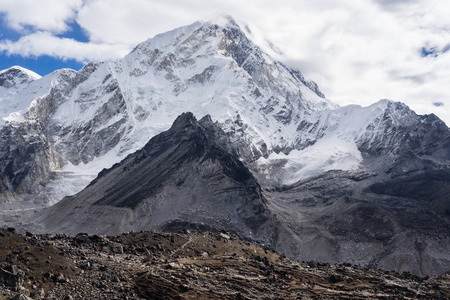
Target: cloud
<point>134,21</point>
<point>357,51</point>
<point>393,4</point>
<point>44,43</point>
<point>49,15</point>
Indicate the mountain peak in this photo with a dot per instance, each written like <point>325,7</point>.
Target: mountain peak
<point>184,119</point>
<point>220,44</point>
<point>16,76</point>
<point>184,35</point>
<point>20,72</point>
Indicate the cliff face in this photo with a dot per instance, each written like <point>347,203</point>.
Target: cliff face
<point>400,224</point>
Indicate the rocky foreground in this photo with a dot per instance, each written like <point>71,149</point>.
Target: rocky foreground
<point>155,265</point>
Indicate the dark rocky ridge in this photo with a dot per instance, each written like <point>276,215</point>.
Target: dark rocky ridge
<point>186,142</point>
<point>184,175</point>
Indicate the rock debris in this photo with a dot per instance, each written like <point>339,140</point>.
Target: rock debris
<point>184,265</point>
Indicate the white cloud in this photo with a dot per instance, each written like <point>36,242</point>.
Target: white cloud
<point>357,51</point>
<point>44,43</point>
<point>134,21</point>
<point>50,15</point>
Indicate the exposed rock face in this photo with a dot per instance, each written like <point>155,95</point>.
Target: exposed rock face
<point>182,176</point>
<point>25,163</point>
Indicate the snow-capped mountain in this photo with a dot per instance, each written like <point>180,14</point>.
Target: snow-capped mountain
<point>90,119</point>
<point>96,116</point>
<point>340,183</point>
<point>203,68</point>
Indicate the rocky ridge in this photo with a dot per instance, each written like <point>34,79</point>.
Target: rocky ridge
<point>183,265</point>
<point>188,174</point>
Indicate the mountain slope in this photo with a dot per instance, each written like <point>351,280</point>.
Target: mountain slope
<point>19,87</point>
<point>394,224</point>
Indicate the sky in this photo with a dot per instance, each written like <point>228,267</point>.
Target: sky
<point>357,51</point>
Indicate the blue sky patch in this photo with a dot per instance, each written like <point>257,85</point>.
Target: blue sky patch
<point>433,51</point>
<point>75,32</point>
<point>438,104</point>
<point>42,65</point>
<point>6,33</point>
<point>429,51</point>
